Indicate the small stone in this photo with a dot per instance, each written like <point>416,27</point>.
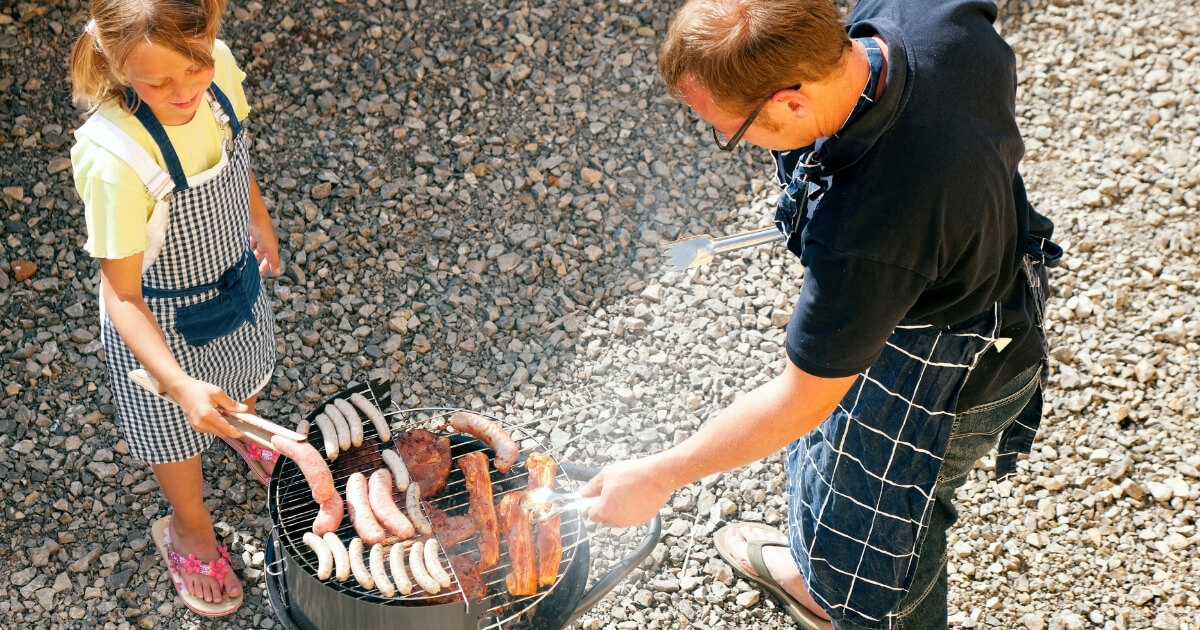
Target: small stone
<point>591,175</point>
<point>58,165</point>
<point>23,269</point>
<point>322,190</point>
<point>747,599</point>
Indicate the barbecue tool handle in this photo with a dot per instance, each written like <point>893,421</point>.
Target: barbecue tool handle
<point>694,251</point>
<point>744,240</point>
<point>545,503</point>
<point>256,429</point>
<point>606,584</point>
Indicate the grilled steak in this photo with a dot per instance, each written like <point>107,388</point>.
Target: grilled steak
<point>427,457</point>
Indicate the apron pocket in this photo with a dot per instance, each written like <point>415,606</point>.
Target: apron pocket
<point>233,306</point>
<point>211,319</point>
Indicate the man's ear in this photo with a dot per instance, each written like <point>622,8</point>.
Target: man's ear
<point>797,101</point>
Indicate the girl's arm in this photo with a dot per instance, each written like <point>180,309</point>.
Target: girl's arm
<point>262,235</point>
<point>121,285</point>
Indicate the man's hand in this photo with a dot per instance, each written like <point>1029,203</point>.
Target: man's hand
<point>631,493</point>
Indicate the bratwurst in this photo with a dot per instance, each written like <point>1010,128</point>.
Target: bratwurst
<point>495,437</point>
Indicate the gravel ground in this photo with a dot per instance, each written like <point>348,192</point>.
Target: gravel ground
<point>469,198</point>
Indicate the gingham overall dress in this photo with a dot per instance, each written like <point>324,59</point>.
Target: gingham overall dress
<point>204,259</point>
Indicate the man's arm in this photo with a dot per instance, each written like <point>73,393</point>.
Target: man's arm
<point>753,427</point>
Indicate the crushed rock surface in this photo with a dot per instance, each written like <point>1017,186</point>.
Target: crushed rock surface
<point>469,199</point>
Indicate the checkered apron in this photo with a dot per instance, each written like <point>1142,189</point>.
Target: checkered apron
<point>860,485</point>
<point>206,242</point>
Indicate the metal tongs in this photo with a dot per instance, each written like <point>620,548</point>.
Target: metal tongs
<point>544,503</point>
<point>256,429</point>
<point>686,253</point>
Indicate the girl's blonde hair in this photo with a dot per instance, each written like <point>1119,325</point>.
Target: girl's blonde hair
<point>187,27</point>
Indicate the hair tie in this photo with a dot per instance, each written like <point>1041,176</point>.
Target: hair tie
<point>90,28</point>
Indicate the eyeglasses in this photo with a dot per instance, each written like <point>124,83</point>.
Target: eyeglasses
<point>733,140</point>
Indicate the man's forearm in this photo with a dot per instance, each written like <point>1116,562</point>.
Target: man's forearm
<point>755,426</point>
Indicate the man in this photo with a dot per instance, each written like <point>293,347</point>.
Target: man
<point>916,344</point>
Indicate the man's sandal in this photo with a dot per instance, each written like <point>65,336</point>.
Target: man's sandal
<point>804,617</point>
<point>254,455</point>
<point>179,566</point>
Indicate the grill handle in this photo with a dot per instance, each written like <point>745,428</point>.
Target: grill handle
<point>618,573</point>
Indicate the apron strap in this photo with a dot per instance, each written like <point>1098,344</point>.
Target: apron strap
<point>228,107</point>
<point>156,131</point>
<point>103,132</point>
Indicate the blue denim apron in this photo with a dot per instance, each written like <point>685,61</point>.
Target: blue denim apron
<point>860,485</point>
<point>205,292</point>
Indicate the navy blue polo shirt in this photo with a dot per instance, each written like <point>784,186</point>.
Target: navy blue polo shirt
<point>925,209</point>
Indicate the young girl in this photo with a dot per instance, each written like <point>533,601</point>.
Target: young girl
<point>176,218</point>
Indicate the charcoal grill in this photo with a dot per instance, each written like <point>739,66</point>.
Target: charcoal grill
<point>303,602</point>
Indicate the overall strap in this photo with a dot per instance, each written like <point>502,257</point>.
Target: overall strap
<point>228,107</point>
<point>156,131</point>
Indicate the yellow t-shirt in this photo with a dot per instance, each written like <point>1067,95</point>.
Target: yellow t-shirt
<point>116,205</point>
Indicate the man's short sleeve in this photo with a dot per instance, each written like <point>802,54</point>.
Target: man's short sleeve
<point>848,307</point>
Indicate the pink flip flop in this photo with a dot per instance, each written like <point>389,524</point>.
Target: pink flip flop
<point>254,455</point>
<point>179,566</point>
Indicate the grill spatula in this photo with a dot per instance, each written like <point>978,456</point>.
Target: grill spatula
<point>686,253</point>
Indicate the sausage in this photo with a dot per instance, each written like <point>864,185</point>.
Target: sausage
<point>502,445</point>
<point>328,435</point>
<point>324,556</point>
<point>399,575</point>
<point>416,563</point>
<point>379,495</point>
<point>413,503</point>
<point>311,464</point>
<point>379,572</point>
<point>341,557</point>
<point>302,427</point>
<point>353,422</point>
<point>399,471</point>
<point>359,506</point>
<point>330,516</point>
<point>374,415</point>
<point>361,574</point>
<point>340,425</point>
<point>433,563</point>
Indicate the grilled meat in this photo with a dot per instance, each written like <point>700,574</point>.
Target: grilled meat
<point>518,533</point>
<point>427,457</point>
<point>548,533</point>
<point>451,530</point>
<point>479,486</point>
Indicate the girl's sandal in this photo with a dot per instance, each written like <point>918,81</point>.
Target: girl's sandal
<point>254,455</point>
<point>179,566</point>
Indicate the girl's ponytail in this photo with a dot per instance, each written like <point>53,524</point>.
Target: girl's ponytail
<point>92,80</point>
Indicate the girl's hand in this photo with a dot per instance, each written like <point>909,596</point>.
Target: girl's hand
<point>201,403</point>
<point>265,246</point>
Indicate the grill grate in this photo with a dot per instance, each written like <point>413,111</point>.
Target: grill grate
<point>293,509</point>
